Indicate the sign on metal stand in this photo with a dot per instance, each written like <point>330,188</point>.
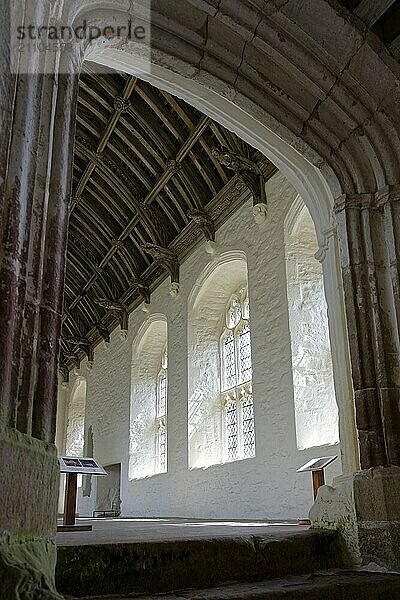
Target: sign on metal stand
<point>73,466</point>
<point>317,467</point>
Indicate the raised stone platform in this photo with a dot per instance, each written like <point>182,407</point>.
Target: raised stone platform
<point>107,530</point>
<point>165,555</point>
<point>332,586</point>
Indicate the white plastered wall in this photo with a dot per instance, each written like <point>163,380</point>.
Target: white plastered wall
<point>314,391</point>
<point>71,408</point>
<point>266,486</point>
<point>75,425</point>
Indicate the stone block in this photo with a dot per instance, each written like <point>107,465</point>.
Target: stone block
<point>29,474</point>
<point>377,494</point>
<point>365,509</point>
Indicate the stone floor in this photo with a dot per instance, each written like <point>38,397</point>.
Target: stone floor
<point>106,531</point>
<point>330,586</point>
<point>147,556</point>
<point>129,558</point>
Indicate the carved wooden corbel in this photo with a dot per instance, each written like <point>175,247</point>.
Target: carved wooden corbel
<point>207,226</point>
<point>72,357</point>
<point>251,175</point>
<point>118,308</point>
<point>144,292</point>
<point>64,372</point>
<point>103,331</point>
<point>84,345</point>
<point>168,259</point>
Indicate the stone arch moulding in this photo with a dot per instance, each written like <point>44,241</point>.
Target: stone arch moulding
<point>316,192</point>
<point>209,270</point>
<point>143,329</point>
<point>288,69</point>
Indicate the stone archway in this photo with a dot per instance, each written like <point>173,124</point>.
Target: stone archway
<point>338,122</point>
<point>318,91</point>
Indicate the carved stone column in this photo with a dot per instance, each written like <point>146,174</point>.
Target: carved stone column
<point>44,409</point>
<point>369,237</point>
<point>35,169</point>
<point>328,255</point>
<point>365,506</point>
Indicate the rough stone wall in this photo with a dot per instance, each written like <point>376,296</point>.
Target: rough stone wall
<point>314,392</point>
<point>266,486</point>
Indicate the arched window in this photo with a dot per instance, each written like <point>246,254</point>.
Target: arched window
<point>236,379</point>
<point>316,411</point>
<point>148,409</point>
<point>161,418</point>
<point>74,442</point>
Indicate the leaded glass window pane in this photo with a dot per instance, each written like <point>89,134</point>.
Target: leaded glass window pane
<point>236,377</point>
<point>249,446</point>
<point>162,395</point>
<point>232,430</point>
<point>229,362</point>
<point>162,447</point>
<point>245,354</point>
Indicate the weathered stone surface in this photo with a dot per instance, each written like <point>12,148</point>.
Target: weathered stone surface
<point>333,586</point>
<point>377,502</point>
<point>335,509</point>
<point>166,566</point>
<point>365,509</point>
<point>27,570</point>
<point>29,475</point>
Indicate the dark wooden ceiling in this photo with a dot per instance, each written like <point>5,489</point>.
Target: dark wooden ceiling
<point>382,17</point>
<point>142,162</point>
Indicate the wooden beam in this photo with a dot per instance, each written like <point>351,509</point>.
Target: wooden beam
<point>370,11</point>
<point>130,86</point>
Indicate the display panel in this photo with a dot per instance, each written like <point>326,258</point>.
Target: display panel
<point>78,464</point>
<point>316,464</point>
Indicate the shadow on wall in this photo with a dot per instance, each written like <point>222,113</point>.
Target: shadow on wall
<point>314,392</point>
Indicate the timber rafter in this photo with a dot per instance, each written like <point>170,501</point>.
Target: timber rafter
<point>143,167</point>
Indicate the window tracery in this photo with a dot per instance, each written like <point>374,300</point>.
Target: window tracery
<point>236,379</point>
<point>161,415</point>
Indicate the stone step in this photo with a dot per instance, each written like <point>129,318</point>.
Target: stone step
<point>165,566</point>
<point>343,585</point>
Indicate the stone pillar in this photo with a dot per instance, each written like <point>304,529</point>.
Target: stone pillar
<point>365,506</point>
<point>369,238</point>
<point>50,313</point>
<point>37,126</point>
<point>20,161</point>
<point>329,257</point>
